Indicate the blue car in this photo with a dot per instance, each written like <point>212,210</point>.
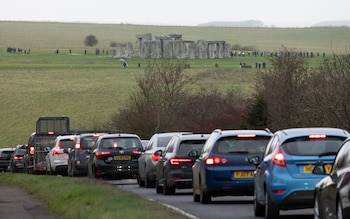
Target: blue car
<point>222,168</point>
<point>283,179</point>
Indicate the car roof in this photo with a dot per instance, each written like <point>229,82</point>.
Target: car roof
<point>119,135</point>
<point>192,136</point>
<point>65,137</point>
<point>220,132</point>
<point>298,132</point>
<point>167,134</point>
<point>7,149</point>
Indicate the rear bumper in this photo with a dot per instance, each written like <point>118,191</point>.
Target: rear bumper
<point>127,171</point>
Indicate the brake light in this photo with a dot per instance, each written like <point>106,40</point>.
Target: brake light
<point>246,136</point>
<point>177,161</point>
<point>216,160</point>
<point>278,192</point>
<point>155,157</point>
<point>77,146</point>
<point>55,152</point>
<point>136,152</point>
<point>101,154</point>
<point>278,158</point>
<point>31,150</point>
<point>318,136</point>
<point>17,157</point>
<point>50,132</point>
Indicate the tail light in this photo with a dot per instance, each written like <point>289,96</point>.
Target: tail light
<point>215,160</point>
<point>77,146</point>
<point>31,150</point>
<point>101,154</point>
<point>177,161</point>
<point>278,159</point>
<point>55,152</point>
<point>17,157</point>
<point>155,157</point>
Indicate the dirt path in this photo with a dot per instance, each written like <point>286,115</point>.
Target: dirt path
<point>15,203</point>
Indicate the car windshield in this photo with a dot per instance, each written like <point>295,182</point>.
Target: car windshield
<point>121,143</point>
<point>232,145</point>
<point>191,145</point>
<point>306,146</point>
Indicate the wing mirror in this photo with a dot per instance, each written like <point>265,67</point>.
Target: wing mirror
<point>255,160</point>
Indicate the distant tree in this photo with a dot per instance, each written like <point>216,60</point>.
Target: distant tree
<point>90,40</point>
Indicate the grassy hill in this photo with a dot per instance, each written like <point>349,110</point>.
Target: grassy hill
<point>90,88</point>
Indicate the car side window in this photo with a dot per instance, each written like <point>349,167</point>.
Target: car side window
<point>170,147</point>
<point>343,157</point>
<point>149,145</point>
<point>271,146</point>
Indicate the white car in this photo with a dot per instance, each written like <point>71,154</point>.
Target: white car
<point>57,157</point>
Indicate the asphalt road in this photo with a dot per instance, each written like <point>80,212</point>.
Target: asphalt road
<point>220,208</point>
<point>15,203</point>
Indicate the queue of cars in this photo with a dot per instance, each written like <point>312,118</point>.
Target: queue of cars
<point>289,169</point>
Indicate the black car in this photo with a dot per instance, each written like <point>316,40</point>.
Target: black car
<point>79,153</point>
<point>174,168</point>
<point>115,156</point>
<point>5,156</point>
<point>16,161</point>
<point>332,193</point>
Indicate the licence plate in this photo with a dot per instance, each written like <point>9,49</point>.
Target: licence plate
<point>243,174</point>
<point>310,168</point>
<point>122,157</point>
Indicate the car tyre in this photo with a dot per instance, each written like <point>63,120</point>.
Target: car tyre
<point>159,189</point>
<point>316,208</point>
<point>93,172</point>
<point>168,190</point>
<point>259,210</point>
<point>196,197</point>
<point>204,197</point>
<point>140,181</point>
<point>271,210</point>
<point>339,210</point>
<point>148,182</point>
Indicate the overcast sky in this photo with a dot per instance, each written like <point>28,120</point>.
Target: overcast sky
<point>281,13</point>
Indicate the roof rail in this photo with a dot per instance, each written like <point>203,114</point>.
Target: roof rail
<point>268,130</point>
<point>219,131</point>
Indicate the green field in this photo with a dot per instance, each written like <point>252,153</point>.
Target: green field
<point>90,88</point>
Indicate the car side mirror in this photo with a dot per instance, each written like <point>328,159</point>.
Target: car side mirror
<point>319,169</point>
<point>158,152</point>
<point>47,149</point>
<point>255,160</point>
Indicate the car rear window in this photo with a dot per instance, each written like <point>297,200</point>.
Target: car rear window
<point>305,146</point>
<point>190,145</point>
<point>88,142</point>
<point>121,143</point>
<point>66,143</point>
<point>232,145</point>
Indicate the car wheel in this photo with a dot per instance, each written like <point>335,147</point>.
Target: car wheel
<point>93,172</point>
<point>51,172</point>
<point>339,210</point>
<point>140,181</point>
<point>316,208</point>
<point>159,189</point>
<point>271,210</point>
<point>195,197</point>
<point>259,210</point>
<point>148,182</point>
<point>204,197</point>
<point>168,190</point>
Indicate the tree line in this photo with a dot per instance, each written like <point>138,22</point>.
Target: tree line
<point>288,94</point>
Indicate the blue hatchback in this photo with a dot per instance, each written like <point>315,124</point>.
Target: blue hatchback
<point>283,179</point>
<point>222,169</point>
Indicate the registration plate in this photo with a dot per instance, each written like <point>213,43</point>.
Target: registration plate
<point>310,168</point>
<point>243,174</point>
<point>122,157</point>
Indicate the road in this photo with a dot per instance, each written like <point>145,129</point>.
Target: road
<point>220,208</point>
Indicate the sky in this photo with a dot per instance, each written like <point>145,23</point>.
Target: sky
<point>279,13</point>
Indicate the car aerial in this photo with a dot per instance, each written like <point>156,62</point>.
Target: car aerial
<point>148,159</point>
<point>5,156</point>
<point>79,153</point>
<point>115,156</point>
<point>283,179</point>
<point>222,169</point>
<point>57,158</point>
<point>332,193</point>
<point>16,162</point>
<point>174,168</point>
